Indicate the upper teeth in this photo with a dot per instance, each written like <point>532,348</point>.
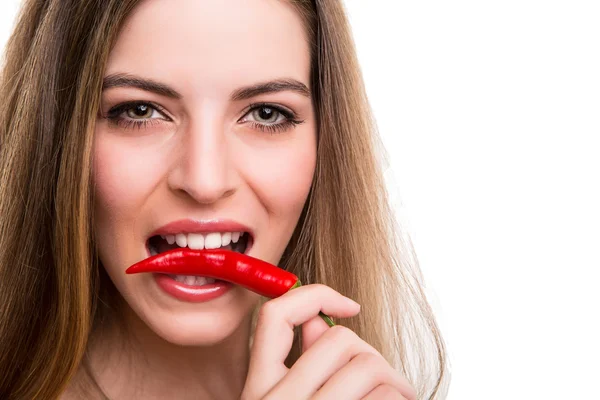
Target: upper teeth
<point>199,241</point>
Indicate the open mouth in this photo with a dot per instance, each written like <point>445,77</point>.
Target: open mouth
<point>239,242</point>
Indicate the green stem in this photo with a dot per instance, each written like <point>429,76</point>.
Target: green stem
<point>325,317</point>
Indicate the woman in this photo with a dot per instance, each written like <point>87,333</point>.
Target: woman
<point>130,128</point>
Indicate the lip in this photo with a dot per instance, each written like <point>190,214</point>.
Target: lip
<point>191,294</point>
<point>201,226</point>
<point>191,225</point>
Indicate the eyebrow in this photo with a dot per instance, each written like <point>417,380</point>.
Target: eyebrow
<point>127,80</point>
<point>278,85</point>
<point>149,85</point>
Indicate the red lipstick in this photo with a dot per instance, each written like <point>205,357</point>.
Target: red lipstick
<point>200,226</point>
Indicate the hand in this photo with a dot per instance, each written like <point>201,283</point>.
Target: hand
<point>335,363</point>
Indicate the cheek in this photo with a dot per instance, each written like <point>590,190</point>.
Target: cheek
<point>123,176</point>
<point>281,176</point>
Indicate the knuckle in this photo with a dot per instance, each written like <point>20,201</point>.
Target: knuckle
<point>322,293</point>
<point>321,289</point>
<point>319,286</point>
<point>318,289</point>
<point>385,392</point>
<point>345,340</point>
<point>268,311</point>
<point>369,360</point>
<point>270,396</point>
<point>342,334</point>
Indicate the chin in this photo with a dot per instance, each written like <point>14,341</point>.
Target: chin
<point>200,326</point>
<point>206,330</point>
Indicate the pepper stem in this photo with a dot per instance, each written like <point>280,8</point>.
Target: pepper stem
<point>325,317</point>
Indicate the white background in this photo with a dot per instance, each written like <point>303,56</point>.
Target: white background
<point>490,111</point>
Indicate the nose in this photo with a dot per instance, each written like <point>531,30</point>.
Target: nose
<point>202,168</point>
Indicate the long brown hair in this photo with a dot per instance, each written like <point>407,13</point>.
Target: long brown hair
<point>347,237</point>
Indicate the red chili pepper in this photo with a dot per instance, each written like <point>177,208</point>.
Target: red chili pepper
<point>256,275</point>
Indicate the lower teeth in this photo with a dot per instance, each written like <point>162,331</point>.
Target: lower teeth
<point>193,280</point>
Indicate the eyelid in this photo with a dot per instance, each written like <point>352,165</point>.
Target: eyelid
<point>114,116</point>
<point>116,110</point>
<point>289,114</point>
<point>120,108</point>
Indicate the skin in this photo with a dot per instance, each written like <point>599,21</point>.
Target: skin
<point>203,158</point>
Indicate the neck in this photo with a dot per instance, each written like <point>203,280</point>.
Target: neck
<point>136,363</point>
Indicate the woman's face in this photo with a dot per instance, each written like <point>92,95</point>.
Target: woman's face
<point>200,147</point>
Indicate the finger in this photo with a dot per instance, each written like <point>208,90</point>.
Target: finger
<point>311,331</point>
<point>361,375</point>
<point>331,352</point>
<point>274,332</point>
<point>384,392</point>
<point>278,317</point>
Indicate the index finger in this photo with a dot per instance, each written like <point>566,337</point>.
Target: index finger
<point>277,318</point>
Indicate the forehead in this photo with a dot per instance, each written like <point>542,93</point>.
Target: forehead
<point>212,46</point>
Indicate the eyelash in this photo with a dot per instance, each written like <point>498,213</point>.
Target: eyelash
<point>113,116</point>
